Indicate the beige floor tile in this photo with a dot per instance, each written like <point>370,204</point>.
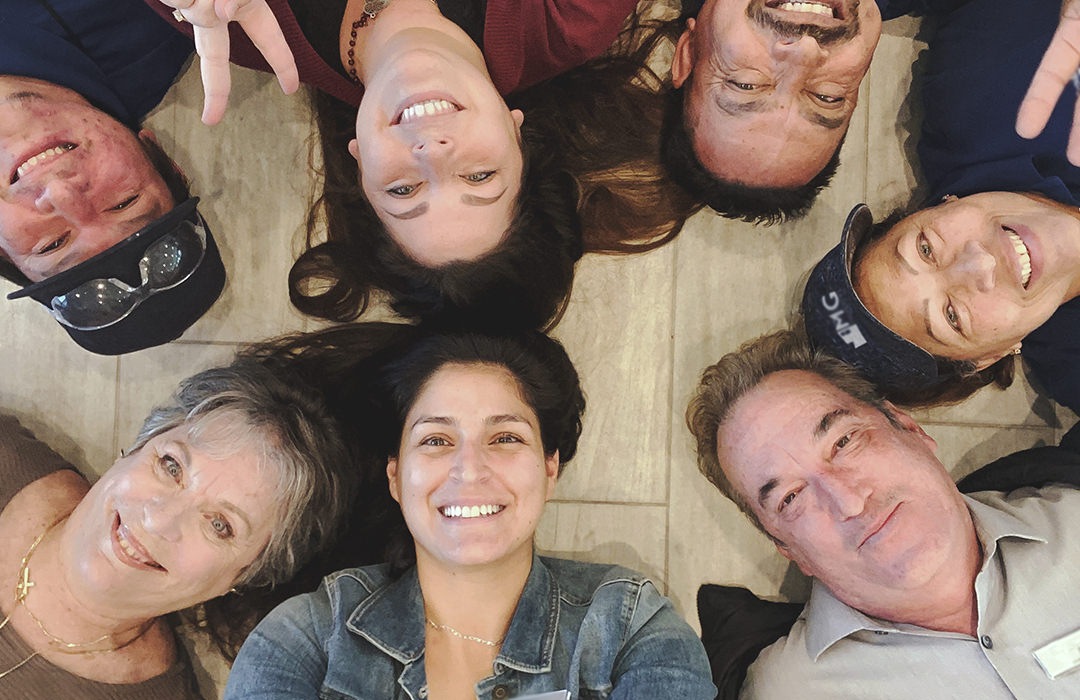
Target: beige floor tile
<point>965,448</point>
<point>617,330</point>
<point>633,536</point>
<point>65,395</point>
<point>251,172</point>
<point>148,378</point>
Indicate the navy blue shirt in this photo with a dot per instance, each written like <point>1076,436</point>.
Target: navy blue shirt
<point>980,64</point>
<point>118,54</point>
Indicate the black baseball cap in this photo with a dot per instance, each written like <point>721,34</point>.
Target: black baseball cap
<point>160,317</point>
<point>840,324</point>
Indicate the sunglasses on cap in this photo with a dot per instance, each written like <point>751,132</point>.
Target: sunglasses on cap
<point>166,263</point>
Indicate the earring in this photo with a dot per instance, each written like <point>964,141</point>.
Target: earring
<point>1016,351</point>
<point>948,198</point>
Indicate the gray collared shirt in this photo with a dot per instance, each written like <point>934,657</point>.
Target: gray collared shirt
<point>1027,592</point>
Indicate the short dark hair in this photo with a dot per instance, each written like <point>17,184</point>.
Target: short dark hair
<point>958,378</point>
<point>733,200</point>
<point>525,281</point>
<point>737,373</point>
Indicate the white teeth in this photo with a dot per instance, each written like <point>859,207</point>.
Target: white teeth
<point>470,511</point>
<point>1024,256</point>
<point>130,550</point>
<point>427,108</point>
<point>816,8</point>
<point>42,157</point>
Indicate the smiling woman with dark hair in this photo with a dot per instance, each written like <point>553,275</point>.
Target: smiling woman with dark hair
<point>474,430</point>
<point>946,297</point>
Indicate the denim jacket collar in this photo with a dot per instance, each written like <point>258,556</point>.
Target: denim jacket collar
<point>392,618</point>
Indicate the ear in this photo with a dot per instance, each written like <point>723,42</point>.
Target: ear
<point>354,150</point>
<point>518,116</point>
<point>786,553</point>
<point>391,478</point>
<point>908,423</point>
<point>987,361</point>
<point>682,62</point>
<point>551,468</point>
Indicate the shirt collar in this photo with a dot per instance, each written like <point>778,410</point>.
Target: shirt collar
<point>828,620</point>
<point>393,619</point>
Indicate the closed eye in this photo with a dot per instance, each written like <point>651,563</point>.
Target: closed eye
<point>125,204</point>
<point>55,244</point>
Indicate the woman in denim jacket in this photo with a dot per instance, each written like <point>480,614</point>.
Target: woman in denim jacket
<point>481,428</point>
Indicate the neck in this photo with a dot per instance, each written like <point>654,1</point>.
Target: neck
<point>945,602</point>
<point>403,24</point>
<point>55,601</point>
<point>478,601</point>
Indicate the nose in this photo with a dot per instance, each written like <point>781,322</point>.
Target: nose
<point>803,51</point>
<point>844,495</point>
<point>427,144</point>
<point>66,194</point>
<point>470,463</point>
<point>162,517</point>
<point>974,267</point>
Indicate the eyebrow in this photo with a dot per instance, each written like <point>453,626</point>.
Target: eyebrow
<point>926,321</point>
<point>473,200</point>
<point>441,420</point>
<point>767,488</point>
<point>734,107</point>
<point>229,506</point>
<point>416,211</point>
<point>505,418</point>
<point>827,421</point>
<point>831,123</point>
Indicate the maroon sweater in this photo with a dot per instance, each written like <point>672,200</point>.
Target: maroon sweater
<point>525,41</point>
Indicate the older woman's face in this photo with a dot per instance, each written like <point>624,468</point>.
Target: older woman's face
<point>969,278</point>
<point>172,524</point>
<point>439,154</point>
<point>471,475</point>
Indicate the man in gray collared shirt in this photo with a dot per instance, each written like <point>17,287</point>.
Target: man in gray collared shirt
<point>918,591</point>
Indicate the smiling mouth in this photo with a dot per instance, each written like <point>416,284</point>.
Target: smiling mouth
<point>1023,256</point>
<point>131,547</point>
<point>41,158</point>
<point>823,9</point>
<point>466,512</point>
<point>426,108</point>
<point>878,527</point>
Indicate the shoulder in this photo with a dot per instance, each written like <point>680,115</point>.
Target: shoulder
<point>330,605</point>
<point>581,582</point>
<point>1039,508</point>
<point>781,668</point>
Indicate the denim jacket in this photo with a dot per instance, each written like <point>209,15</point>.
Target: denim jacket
<point>595,630</point>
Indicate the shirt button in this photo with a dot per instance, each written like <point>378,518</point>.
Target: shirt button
<point>500,692</point>
<point>986,641</point>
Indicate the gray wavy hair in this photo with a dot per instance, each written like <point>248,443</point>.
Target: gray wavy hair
<point>287,422</point>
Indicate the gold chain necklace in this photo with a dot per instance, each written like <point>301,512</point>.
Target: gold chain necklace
<point>459,635</point>
<point>24,583</point>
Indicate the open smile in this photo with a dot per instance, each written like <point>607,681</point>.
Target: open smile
<point>830,9</point>
<point>467,512</point>
<point>425,107</point>
<point>129,550</point>
<point>40,158</point>
<point>1022,256</point>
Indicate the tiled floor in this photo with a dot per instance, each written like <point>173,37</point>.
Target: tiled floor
<point>640,330</point>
